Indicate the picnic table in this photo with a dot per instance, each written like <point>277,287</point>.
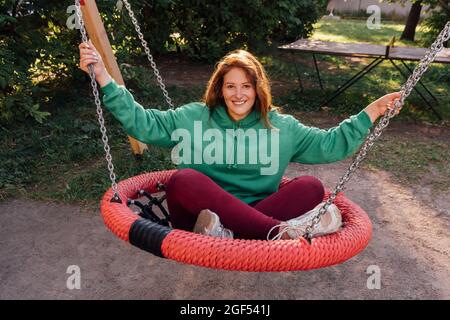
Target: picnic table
<point>378,54</point>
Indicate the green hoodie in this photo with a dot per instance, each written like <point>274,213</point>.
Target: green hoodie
<point>243,157</point>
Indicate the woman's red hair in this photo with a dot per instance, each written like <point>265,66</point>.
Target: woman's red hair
<point>254,71</point>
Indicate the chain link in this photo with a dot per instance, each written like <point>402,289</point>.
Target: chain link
<point>148,54</point>
<point>101,120</point>
<point>405,90</point>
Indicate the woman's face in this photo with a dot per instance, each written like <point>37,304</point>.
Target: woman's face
<point>238,93</point>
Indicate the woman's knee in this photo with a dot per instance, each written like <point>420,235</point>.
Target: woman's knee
<point>310,185</point>
<point>182,179</point>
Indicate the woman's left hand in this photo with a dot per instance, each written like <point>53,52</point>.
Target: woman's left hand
<point>379,107</point>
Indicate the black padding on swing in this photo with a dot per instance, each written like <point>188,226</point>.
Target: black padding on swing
<point>148,236</point>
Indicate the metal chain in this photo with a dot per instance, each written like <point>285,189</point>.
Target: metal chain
<point>405,90</point>
<point>149,55</point>
<point>101,120</point>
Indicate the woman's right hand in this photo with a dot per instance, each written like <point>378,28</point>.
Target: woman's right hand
<point>89,55</point>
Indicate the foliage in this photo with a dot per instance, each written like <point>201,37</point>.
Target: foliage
<point>434,25</point>
<point>34,50</point>
<point>211,28</point>
<point>206,30</point>
<point>63,158</point>
<point>38,51</point>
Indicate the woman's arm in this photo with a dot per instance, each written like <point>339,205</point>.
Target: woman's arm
<point>150,126</point>
<point>313,145</point>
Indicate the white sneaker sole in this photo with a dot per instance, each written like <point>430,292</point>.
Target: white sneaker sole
<point>335,224</point>
<point>205,222</point>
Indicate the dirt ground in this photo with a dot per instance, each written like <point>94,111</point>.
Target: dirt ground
<point>410,245</point>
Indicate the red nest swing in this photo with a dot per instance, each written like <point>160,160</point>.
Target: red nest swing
<point>233,254</point>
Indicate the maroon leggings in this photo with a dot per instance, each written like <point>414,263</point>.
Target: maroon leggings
<point>190,191</point>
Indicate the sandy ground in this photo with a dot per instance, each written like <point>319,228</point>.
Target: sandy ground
<point>410,245</point>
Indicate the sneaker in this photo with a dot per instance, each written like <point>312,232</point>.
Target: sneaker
<point>208,223</point>
<point>330,222</point>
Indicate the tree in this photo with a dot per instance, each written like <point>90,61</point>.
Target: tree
<point>412,21</point>
<point>436,22</point>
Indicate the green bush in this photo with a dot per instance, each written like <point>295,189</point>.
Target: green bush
<point>35,50</point>
<point>209,29</point>
<point>39,54</point>
<point>434,25</point>
<point>206,29</point>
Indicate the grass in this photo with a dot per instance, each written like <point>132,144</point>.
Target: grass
<point>384,79</point>
<point>418,161</point>
<point>356,31</point>
<point>63,160</point>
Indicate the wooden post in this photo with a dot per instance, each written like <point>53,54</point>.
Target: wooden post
<point>97,34</point>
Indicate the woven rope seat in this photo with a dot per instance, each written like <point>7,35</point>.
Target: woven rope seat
<point>233,254</point>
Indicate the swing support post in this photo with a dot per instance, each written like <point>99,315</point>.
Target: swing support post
<point>97,34</point>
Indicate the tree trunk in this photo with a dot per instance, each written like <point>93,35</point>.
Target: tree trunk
<point>15,8</point>
<point>412,21</point>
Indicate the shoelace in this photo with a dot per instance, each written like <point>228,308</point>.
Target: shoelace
<point>299,229</point>
<point>286,228</point>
